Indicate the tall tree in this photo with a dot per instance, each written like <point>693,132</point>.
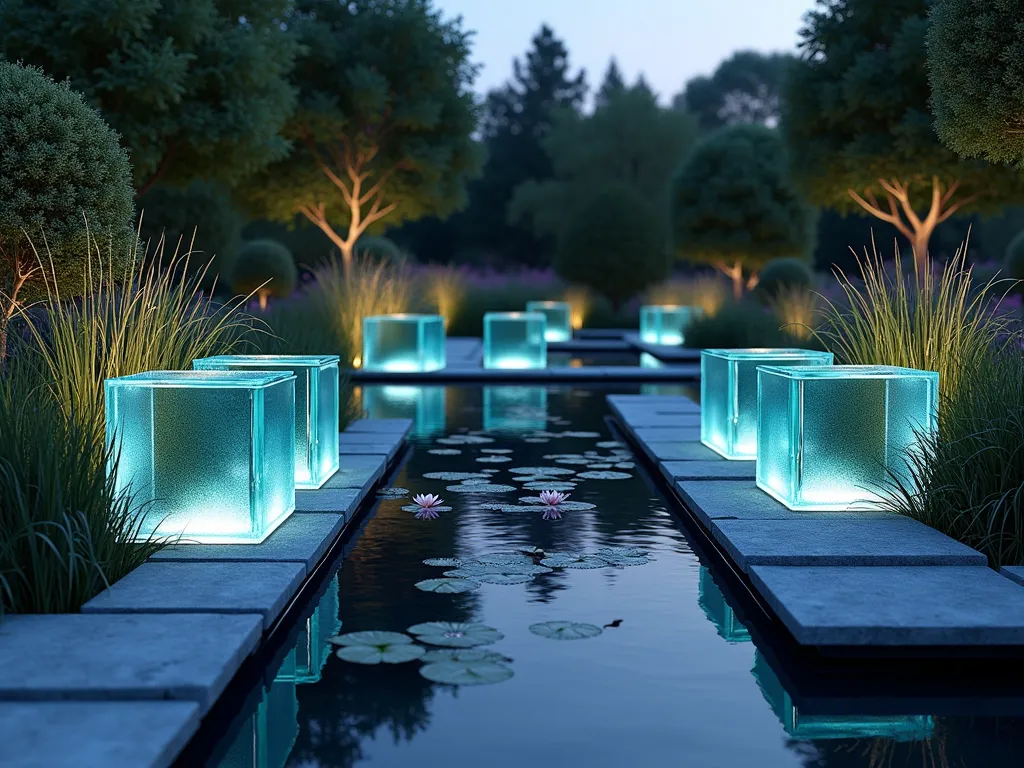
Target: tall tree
<point>746,88</point>
<point>628,141</point>
<point>195,88</point>
<point>859,128</point>
<point>382,132</point>
<point>611,86</point>
<point>733,206</point>
<point>976,72</point>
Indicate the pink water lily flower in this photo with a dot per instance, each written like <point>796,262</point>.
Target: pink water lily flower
<point>426,513</point>
<point>553,498</point>
<point>551,513</point>
<point>428,500</point>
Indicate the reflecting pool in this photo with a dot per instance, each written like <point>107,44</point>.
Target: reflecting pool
<point>661,670</point>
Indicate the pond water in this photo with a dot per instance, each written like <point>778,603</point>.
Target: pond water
<point>660,671</point>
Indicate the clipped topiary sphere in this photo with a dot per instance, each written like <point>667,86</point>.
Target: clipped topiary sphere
<point>63,176</point>
<point>379,248</point>
<point>264,267</point>
<point>786,272</point>
<point>1014,262</point>
<point>613,244</point>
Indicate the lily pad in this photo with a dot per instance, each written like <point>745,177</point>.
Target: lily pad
<point>493,459</point>
<point>455,476</point>
<point>582,435</point>
<point>417,508</point>
<point>565,630</point>
<point>444,451</point>
<point>625,465</point>
<point>466,672</point>
<point>443,562</point>
<point>543,471</point>
<point>455,634</point>
<point>550,486</point>
<point>574,460</point>
<point>572,560</point>
<point>392,493</point>
<point>610,444</point>
<point>372,637</point>
<point>463,655</point>
<point>495,450</point>
<point>621,552</point>
<point>490,471</point>
<point>448,586</point>
<point>600,466</point>
<point>565,506</point>
<point>388,654</point>
<point>481,488</point>
<point>503,578</point>
<point>475,570</point>
<point>605,475</point>
<point>503,558</point>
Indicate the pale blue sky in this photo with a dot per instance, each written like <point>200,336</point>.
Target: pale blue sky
<point>668,40</point>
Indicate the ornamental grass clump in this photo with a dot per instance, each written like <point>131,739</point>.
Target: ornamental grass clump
<point>444,290</point>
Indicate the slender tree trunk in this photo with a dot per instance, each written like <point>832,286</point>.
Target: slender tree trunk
<point>11,307</point>
<point>734,272</point>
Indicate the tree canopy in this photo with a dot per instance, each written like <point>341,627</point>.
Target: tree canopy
<point>976,72</point>
<point>745,88</point>
<point>195,88</point>
<point>733,206</point>
<point>858,125</point>
<point>382,131</point>
<point>628,140</point>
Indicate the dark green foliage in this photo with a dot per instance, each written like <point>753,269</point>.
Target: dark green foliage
<point>613,245</point>
<point>612,86</point>
<point>746,88</point>
<point>264,267</point>
<point>976,73</point>
<point>786,272</point>
<point>196,88</point>
<point>63,178</point>
<point>739,325</point>
<point>199,220</point>
<point>308,244</point>
<point>732,202</point>
<point>1013,264</point>
<point>379,248</point>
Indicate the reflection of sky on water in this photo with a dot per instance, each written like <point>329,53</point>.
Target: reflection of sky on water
<point>515,408</point>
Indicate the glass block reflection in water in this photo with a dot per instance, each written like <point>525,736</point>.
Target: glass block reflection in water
<point>557,319</point>
<point>425,405</point>
<point>515,340</point>
<point>719,612</point>
<point>267,738</point>
<point>210,453</point>
<point>404,343</point>
<point>316,407</point>
<point>515,408</point>
<point>665,324</point>
<point>728,394</point>
<point>833,438</point>
<point>806,727</point>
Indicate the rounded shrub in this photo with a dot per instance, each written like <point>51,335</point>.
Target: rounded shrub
<point>613,244</point>
<point>1014,260</point>
<point>379,249</point>
<point>739,325</point>
<point>264,267</point>
<point>64,180</point>
<point>784,273</point>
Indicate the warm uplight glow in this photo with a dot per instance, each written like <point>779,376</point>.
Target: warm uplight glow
<point>404,343</point>
<point>357,361</point>
<point>577,321</point>
<point>515,340</point>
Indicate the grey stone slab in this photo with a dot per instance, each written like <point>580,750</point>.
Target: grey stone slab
<point>384,451</point>
<point>894,606</point>
<point>666,421</point>
<point>713,469</point>
<point>678,450</point>
<point>83,656</point>
<point>175,587</point>
<point>589,345</point>
<point>357,471</point>
<point>302,538</point>
<point>341,500</point>
<point>108,734</point>
<point>1013,572</point>
<point>385,426</point>
<point>743,500</point>
<point>667,433</point>
<point>603,333</point>
<point>636,373</point>
<point>878,541</point>
<point>370,443</point>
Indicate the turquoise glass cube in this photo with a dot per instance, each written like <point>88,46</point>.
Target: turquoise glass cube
<point>557,318</point>
<point>515,409</point>
<point>267,737</point>
<point>515,340</point>
<point>403,343</point>
<point>211,454</point>
<point>833,438</point>
<point>717,609</point>
<point>806,727</point>
<point>665,324</point>
<point>728,395</point>
<point>316,407</point>
<point>425,405</point>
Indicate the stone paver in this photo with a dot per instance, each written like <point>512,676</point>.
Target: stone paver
<point>302,538</point>
<point>380,426</point>
<point>1013,572</point>
<point>683,425</point>
<point>385,451</point>
<point>175,587</point>
<point>341,500</point>
<point>636,421</point>
<point>885,541</point>
<point>708,470</point>
<point>81,656</point>
<point>369,444</point>
<point>679,450</point>
<point>894,606</point>
<point>743,500</point>
<point>68,734</point>
<point>357,471</point>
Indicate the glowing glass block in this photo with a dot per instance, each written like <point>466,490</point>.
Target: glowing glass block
<point>515,409</point>
<point>515,340</point>
<point>665,324</point>
<point>210,453</point>
<point>807,727</point>
<point>719,612</point>
<point>728,395</point>
<point>403,343</point>
<point>832,438</point>
<point>267,738</point>
<point>425,405</point>
<point>557,315</point>
<point>316,407</point>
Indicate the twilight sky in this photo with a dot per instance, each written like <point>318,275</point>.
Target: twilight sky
<point>668,40</point>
